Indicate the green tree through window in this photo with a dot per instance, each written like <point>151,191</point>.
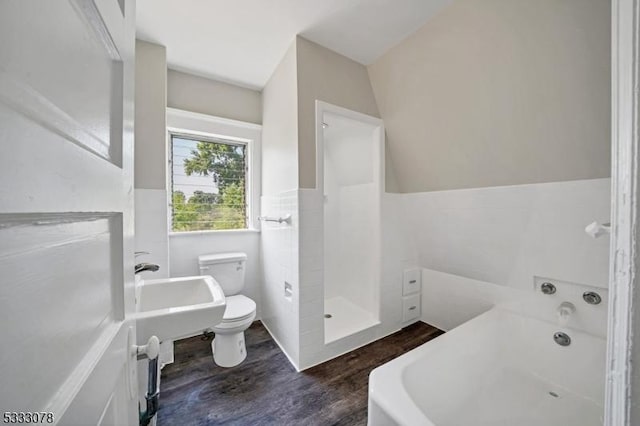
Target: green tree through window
<point>208,185</point>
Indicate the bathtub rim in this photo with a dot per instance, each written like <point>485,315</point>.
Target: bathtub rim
<point>401,407</point>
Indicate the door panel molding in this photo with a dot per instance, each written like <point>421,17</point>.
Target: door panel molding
<point>67,291</point>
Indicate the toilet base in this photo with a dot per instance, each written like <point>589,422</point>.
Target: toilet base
<point>228,349</point>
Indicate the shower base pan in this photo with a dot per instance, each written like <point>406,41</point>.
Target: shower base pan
<point>344,318</point>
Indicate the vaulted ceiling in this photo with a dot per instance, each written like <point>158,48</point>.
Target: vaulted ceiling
<point>242,41</point>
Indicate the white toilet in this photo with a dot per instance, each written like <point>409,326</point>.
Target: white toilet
<point>228,270</point>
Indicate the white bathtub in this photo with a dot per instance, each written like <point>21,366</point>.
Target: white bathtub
<point>499,369</point>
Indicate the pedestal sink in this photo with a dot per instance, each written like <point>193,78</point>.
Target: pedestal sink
<point>171,308</point>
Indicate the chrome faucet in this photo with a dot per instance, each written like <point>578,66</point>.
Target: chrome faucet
<point>141,267</point>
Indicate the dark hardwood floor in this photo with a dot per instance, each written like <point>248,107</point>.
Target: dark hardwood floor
<point>266,390</point>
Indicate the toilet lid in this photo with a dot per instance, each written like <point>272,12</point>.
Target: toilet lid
<point>238,307</point>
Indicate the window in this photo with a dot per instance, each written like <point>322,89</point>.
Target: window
<point>213,175</point>
<point>208,183</point>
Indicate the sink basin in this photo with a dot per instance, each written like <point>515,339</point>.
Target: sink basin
<point>171,308</point>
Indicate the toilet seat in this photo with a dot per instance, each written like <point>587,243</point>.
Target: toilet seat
<point>239,308</point>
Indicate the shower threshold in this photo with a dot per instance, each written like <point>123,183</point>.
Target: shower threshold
<point>346,318</point>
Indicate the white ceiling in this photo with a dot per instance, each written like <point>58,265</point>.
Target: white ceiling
<point>242,41</point>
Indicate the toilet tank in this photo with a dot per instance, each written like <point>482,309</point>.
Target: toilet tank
<point>226,268</point>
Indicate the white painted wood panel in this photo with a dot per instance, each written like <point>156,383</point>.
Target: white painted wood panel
<point>45,284</point>
<point>622,406</point>
<point>66,209</point>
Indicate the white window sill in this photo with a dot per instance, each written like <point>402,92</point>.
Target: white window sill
<point>211,233</point>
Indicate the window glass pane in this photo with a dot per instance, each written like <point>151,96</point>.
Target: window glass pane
<point>208,184</point>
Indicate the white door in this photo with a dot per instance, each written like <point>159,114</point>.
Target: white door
<point>66,210</point>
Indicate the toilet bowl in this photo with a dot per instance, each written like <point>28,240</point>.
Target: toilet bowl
<point>228,345</point>
<point>228,269</point>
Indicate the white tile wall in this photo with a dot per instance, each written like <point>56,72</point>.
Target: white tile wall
<point>398,253</point>
<point>506,235</point>
<point>491,242</point>
<point>151,228</point>
<point>450,300</point>
<point>178,254</point>
<point>184,249</point>
<point>279,252</point>
<point>479,247</point>
<point>311,274</point>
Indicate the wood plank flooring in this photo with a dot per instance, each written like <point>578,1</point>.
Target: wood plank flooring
<point>266,390</point>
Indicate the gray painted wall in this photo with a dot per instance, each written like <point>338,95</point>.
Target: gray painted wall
<point>499,92</point>
<point>150,116</point>
<point>197,94</point>
<point>157,88</point>
<point>307,72</point>
<point>280,128</point>
<point>327,76</point>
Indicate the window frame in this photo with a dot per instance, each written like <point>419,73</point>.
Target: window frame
<point>218,130</point>
<point>219,141</point>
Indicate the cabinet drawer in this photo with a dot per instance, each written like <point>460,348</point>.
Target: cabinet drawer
<point>410,307</point>
<point>411,281</point>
